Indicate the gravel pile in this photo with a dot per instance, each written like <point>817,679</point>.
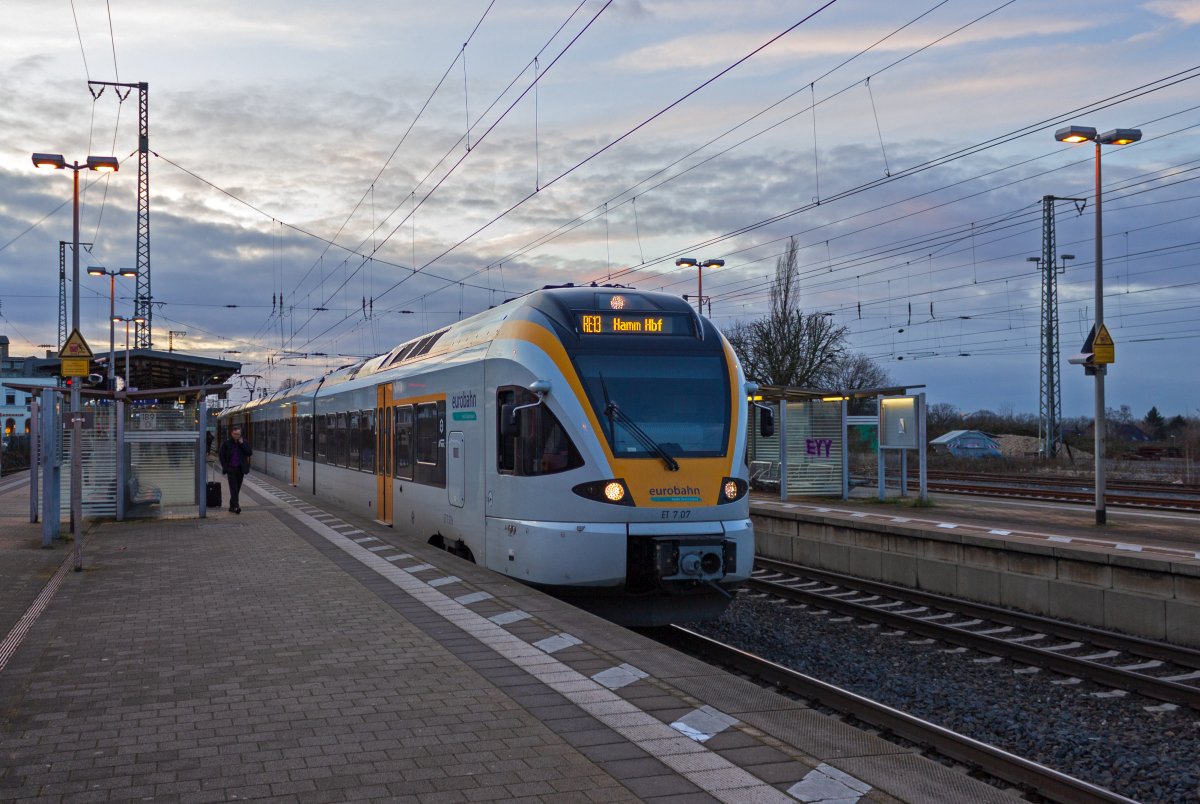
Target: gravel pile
<point>1113,742</point>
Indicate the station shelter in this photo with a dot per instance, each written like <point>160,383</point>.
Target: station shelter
<point>142,448</point>
<point>822,437</point>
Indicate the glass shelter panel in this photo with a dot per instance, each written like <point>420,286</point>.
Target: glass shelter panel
<point>160,455</point>
<point>814,448</point>
<point>98,450</point>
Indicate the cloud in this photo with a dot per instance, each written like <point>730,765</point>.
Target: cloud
<point>1185,11</point>
<point>721,48</point>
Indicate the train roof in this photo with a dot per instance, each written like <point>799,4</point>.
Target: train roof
<point>558,302</point>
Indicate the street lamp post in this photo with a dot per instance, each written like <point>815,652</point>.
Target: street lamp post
<point>128,320</point>
<point>699,265</point>
<point>102,164</point>
<point>1118,136</point>
<point>112,300</point>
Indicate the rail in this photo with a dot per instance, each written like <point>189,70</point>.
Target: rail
<point>1150,654</point>
<point>1011,768</point>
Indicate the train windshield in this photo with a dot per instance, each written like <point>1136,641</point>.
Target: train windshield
<point>680,403</point>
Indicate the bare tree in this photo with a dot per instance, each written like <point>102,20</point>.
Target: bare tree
<point>788,346</point>
<point>853,371</point>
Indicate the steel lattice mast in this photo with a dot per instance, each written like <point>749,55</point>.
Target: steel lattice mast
<point>62,288</point>
<point>62,293</point>
<point>1049,398</point>
<point>1050,395</point>
<point>143,299</point>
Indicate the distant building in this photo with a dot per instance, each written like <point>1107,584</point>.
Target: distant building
<point>1129,433</point>
<point>15,403</point>
<point>967,444</point>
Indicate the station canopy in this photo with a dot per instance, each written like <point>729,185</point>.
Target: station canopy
<point>152,368</point>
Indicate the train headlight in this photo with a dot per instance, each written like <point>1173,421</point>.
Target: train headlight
<point>732,490</point>
<point>614,491</point>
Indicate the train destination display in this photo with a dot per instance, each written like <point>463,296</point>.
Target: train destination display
<point>635,324</point>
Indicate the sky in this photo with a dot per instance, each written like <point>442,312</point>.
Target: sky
<point>330,179</point>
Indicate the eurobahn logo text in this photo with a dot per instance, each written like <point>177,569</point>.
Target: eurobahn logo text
<point>675,494</point>
<point>465,399</point>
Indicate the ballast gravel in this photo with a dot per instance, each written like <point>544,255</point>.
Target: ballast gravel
<point>1077,728</point>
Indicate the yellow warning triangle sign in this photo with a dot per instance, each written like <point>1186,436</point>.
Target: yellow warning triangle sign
<point>75,346</point>
<point>1103,338</point>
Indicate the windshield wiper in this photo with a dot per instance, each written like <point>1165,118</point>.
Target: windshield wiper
<point>615,414</point>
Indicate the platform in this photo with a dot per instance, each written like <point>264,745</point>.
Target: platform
<point>298,653</point>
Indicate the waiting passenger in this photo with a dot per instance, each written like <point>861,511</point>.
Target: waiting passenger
<point>235,464</point>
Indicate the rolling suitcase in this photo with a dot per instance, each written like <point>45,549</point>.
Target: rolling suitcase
<point>213,494</point>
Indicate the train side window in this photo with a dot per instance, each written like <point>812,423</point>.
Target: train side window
<point>367,441</point>
<point>431,443</point>
<point>322,445</point>
<point>306,437</point>
<point>285,437</point>
<point>540,446</point>
<point>427,434</point>
<point>403,448</point>
<point>354,438</point>
<point>341,448</point>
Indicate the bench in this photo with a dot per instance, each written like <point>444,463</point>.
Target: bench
<point>139,494</point>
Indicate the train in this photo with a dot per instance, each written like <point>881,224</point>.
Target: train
<point>587,440</point>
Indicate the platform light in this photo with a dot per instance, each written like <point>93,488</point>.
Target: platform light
<point>49,161</point>
<point>699,265</point>
<point>107,164</point>
<point>1075,134</point>
<point>1120,136</point>
<point>1116,136</point>
<point>103,164</point>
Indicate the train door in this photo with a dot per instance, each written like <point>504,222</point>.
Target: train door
<point>383,453</point>
<point>294,444</point>
<point>456,474</point>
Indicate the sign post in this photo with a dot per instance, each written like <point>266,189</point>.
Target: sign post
<point>76,358</point>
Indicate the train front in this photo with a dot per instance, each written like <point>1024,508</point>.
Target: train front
<point>657,410</point>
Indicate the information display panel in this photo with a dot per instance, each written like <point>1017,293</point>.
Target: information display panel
<point>634,323</point>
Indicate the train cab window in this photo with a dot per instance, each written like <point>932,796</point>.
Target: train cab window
<point>366,441</point>
<point>430,441</point>
<point>403,446</point>
<point>540,446</point>
<point>354,438</point>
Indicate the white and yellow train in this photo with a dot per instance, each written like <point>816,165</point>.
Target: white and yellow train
<point>590,441</point>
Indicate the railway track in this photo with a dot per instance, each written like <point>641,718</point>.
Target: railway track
<point>1135,494</point>
<point>1083,484</point>
<point>992,761</point>
<point>1153,669</point>
<point>1067,495</point>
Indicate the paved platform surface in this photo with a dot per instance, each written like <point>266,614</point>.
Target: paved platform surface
<point>296,653</point>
